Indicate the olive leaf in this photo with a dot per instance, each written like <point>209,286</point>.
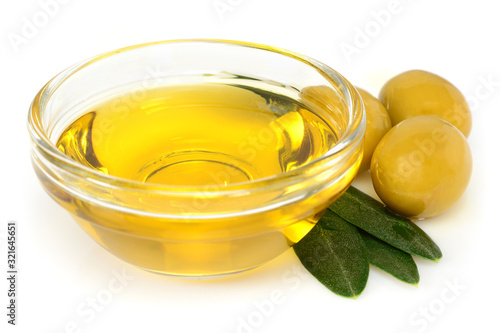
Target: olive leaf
<point>334,253</point>
<point>370,215</point>
<point>390,259</point>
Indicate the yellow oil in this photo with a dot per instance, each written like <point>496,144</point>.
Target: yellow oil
<point>195,134</point>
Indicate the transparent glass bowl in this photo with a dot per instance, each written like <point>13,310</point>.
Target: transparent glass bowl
<point>196,231</point>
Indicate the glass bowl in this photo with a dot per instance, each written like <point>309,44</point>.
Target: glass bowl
<point>196,230</point>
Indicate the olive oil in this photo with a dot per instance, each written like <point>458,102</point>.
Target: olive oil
<point>198,135</point>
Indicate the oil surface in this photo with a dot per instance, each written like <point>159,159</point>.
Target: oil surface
<point>197,134</point>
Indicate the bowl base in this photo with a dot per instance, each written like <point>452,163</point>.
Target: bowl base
<point>198,277</point>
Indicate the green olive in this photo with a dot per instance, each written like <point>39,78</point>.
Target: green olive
<point>421,167</point>
<point>420,93</point>
<point>377,124</point>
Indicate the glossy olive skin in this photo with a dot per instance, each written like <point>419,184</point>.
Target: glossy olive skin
<point>419,93</point>
<point>378,123</point>
<point>421,167</point>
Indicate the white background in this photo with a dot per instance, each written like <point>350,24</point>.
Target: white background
<point>61,269</point>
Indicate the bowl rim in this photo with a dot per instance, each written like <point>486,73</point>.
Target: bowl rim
<point>349,140</point>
